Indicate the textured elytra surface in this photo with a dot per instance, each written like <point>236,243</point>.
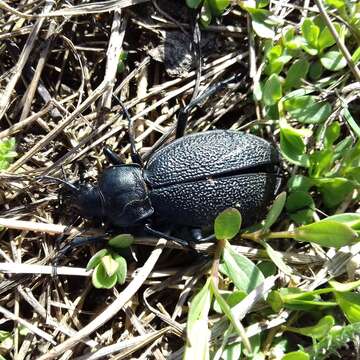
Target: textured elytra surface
<point>210,153</point>
<point>199,202</point>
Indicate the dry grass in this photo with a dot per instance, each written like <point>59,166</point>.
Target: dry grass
<point>59,75</point>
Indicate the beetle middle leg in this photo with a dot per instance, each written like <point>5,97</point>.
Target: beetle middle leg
<point>76,242</point>
<point>135,156</point>
<point>112,157</point>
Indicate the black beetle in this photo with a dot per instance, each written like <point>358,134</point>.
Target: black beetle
<point>186,182</point>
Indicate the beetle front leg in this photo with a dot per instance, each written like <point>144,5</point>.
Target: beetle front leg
<point>112,157</point>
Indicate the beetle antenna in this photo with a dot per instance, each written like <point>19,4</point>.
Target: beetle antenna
<point>58,180</point>
<point>136,158</point>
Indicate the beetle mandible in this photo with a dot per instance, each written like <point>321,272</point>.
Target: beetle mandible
<point>186,182</point>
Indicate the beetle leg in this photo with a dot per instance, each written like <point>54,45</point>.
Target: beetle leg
<point>184,112</point>
<point>135,156</point>
<point>78,241</point>
<point>198,237</point>
<point>111,156</point>
<point>68,184</point>
<point>181,242</point>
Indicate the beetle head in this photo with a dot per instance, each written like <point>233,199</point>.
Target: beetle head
<point>85,199</point>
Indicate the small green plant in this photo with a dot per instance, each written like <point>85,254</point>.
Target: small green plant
<point>6,343</point>
<point>291,93</point>
<point>227,225</point>
<point>209,9</point>
<point>231,269</point>
<point>7,153</point>
<point>109,267</point>
<point>121,62</point>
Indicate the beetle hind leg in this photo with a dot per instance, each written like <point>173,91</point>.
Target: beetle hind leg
<point>184,112</point>
<point>169,237</point>
<point>198,236</point>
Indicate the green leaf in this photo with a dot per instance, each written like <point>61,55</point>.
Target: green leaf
<point>242,272</point>
<point>200,305</point>
<point>299,200</point>
<point>231,297</point>
<point>350,219</point>
<point>277,65</point>
<point>277,258</point>
<point>292,146</point>
<point>291,41</point>
<point>306,110</point>
<point>101,280</point>
<point>321,162</point>
<point>121,62</point>
<point>96,259</point>
<point>297,299</point>
<point>232,351</point>
<point>333,60</point>
<point>121,271</point>
<point>350,120</point>
<point>301,207</point>
<point>268,268</point>
<point>318,331</point>
<point>296,355</point>
<point>338,337</point>
<point>218,6</point>
<point>344,287</point>
<point>326,38</point>
<point>110,265</point>
<point>333,190</point>
<point>332,133</point>
<point>193,3</point>
<point>311,33</point>
<point>205,15</point>
<point>121,241</point>
<point>296,73</point>
<point>356,55</point>
<point>272,91</point>
<point>227,224</point>
<point>326,233</point>
<point>235,322</point>
<point>272,112</point>
<point>274,211</point>
<point>349,303</point>
<point>316,70</point>
<point>262,22</point>
<point>7,153</point>
<point>338,4</point>
<point>6,342</point>
<point>300,183</point>
<point>197,347</point>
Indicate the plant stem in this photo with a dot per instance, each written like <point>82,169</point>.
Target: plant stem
<point>215,265</point>
<point>259,235</point>
<point>281,235</point>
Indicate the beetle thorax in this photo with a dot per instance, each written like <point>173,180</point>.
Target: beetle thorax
<point>125,195</point>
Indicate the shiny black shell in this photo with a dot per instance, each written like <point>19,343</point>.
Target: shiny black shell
<point>197,176</point>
